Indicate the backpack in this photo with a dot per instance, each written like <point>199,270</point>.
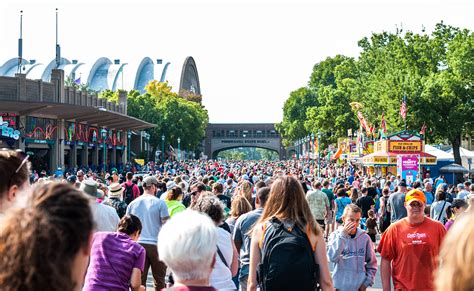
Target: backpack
<point>288,261</point>
<point>128,193</point>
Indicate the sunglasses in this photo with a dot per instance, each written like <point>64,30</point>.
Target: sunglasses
<point>19,154</point>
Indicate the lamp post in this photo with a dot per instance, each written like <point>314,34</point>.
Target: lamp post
<point>179,149</point>
<point>163,148</point>
<point>103,132</point>
<point>319,154</point>
<point>129,135</point>
<point>147,138</point>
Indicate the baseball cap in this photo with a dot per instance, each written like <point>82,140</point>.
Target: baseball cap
<point>149,180</point>
<point>415,194</point>
<point>72,179</point>
<point>170,185</point>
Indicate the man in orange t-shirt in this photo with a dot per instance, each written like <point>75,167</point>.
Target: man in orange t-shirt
<point>410,247</point>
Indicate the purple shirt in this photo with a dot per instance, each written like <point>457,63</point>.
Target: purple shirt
<point>113,257</point>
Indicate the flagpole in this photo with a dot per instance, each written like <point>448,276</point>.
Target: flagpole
<point>58,48</point>
<point>20,44</point>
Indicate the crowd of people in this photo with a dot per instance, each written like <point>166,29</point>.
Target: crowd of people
<point>232,225</point>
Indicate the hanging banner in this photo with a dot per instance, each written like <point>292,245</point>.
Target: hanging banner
<point>408,167</point>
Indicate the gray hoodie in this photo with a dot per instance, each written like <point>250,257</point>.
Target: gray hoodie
<point>353,258</point>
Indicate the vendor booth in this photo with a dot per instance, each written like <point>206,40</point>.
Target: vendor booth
<point>400,147</point>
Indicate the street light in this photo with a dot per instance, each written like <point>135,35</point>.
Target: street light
<point>163,148</point>
<point>129,145</point>
<point>319,154</point>
<point>147,138</point>
<point>103,132</point>
<point>179,149</point>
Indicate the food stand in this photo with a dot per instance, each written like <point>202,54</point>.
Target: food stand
<point>390,150</point>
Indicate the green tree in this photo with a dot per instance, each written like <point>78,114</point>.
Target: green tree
<point>174,116</point>
<point>294,114</point>
<point>332,80</point>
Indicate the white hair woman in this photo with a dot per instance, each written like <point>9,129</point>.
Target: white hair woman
<point>188,247</point>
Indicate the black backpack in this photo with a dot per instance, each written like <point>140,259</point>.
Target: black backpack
<point>128,193</point>
<point>287,261</point>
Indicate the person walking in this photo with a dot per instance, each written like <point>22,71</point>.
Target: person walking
<point>114,199</point>
<point>153,213</point>
<point>14,177</point>
<point>351,251</point>
<point>438,208</point>
<point>242,233</point>
<point>409,247</point>
<point>117,261</point>
<point>396,203</point>
<point>131,190</point>
<point>287,217</point>
<point>318,204</point>
<point>188,247</point>
<point>46,245</point>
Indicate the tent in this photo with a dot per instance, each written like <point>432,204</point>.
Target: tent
<point>467,157</point>
<point>439,154</point>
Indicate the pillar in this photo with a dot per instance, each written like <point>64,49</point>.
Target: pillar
<point>85,155</point>
<point>21,140</point>
<point>73,156</point>
<point>113,158</point>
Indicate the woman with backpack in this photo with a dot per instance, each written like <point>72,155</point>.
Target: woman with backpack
<point>287,247</point>
<point>384,219</point>
<point>438,208</point>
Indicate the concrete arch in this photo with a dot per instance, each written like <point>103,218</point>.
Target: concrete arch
<point>163,73</point>
<point>70,70</point>
<point>10,67</point>
<point>189,77</point>
<point>46,76</point>
<point>116,77</point>
<point>145,74</point>
<point>97,79</point>
<point>217,151</point>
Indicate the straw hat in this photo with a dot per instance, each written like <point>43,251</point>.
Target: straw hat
<point>115,190</point>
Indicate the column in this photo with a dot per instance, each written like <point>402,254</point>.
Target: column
<point>60,143</point>
<point>73,156</point>
<point>85,155</point>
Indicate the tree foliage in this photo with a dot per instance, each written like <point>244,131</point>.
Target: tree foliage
<point>434,71</point>
<point>174,116</point>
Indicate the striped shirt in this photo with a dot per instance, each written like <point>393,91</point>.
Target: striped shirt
<point>113,257</point>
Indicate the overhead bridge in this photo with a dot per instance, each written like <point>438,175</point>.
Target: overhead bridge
<point>224,136</point>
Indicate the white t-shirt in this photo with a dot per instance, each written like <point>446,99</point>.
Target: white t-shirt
<point>105,217</point>
<point>151,211</point>
<point>221,277</point>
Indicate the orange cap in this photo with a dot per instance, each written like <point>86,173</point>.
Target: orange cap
<point>415,194</point>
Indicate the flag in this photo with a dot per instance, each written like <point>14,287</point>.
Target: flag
<point>403,108</point>
<point>383,124</point>
<point>77,81</point>
<point>171,149</point>
<point>423,129</point>
<point>363,121</point>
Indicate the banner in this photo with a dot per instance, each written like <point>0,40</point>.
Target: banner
<point>408,167</point>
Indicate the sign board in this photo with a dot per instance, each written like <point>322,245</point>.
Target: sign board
<point>141,162</point>
<point>405,146</point>
<point>7,131</point>
<point>408,167</point>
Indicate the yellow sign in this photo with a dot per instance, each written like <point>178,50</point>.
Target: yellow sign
<point>431,161</point>
<point>380,160</point>
<point>141,162</point>
<point>381,146</point>
<point>405,146</point>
